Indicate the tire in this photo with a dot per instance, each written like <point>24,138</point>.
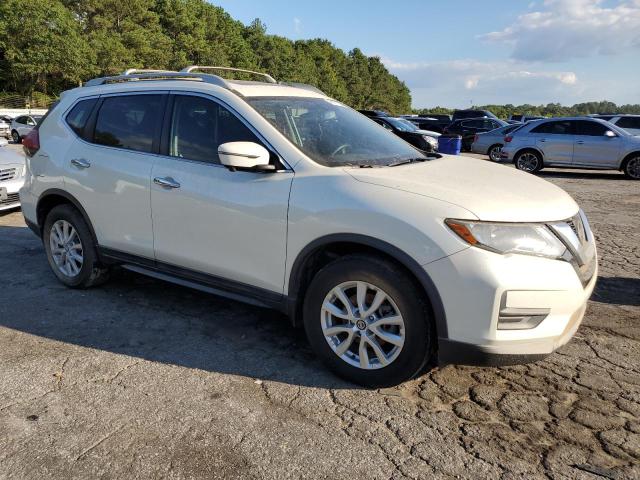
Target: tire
<point>15,136</point>
<point>410,328</point>
<point>494,152</point>
<point>631,167</point>
<point>64,221</point>
<point>528,161</point>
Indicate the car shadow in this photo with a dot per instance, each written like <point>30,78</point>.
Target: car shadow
<point>586,175</point>
<point>617,290</point>
<point>142,317</point>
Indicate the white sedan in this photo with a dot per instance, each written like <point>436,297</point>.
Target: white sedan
<point>12,167</point>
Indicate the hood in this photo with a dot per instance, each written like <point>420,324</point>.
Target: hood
<point>428,132</point>
<point>490,191</point>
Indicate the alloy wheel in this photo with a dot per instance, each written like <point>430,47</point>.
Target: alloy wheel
<point>66,248</point>
<point>494,153</point>
<point>362,325</point>
<point>633,168</point>
<point>528,162</point>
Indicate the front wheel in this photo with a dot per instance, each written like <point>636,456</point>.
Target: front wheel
<point>70,249</point>
<point>367,320</point>
<point>632,168</point>
<point>528,161</point>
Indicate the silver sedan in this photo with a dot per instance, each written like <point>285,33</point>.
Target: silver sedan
<point>490,143</point>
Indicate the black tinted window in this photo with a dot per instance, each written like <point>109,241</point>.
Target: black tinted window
<point>77,117</point>
<point>594,129</point>
<point>629,122</point>
<point>200,125</point>
<point>21,120</point>
<point>555,128</point>
<point>474,124</point>
<point>129,121</point>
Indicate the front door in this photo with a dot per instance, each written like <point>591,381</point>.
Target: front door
<point>593,148</point>
<point>208,219</point>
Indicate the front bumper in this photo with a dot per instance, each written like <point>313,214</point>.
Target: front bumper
<point>9,193</point>
<point>476,285</point>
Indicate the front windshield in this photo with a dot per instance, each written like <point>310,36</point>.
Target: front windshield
<point>402,124</point>
<point>333,134</point>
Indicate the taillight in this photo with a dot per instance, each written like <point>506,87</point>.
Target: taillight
<point>508,138</point>
<point>31,143</point>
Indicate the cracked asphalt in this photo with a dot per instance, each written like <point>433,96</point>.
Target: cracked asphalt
<point>143,379</point>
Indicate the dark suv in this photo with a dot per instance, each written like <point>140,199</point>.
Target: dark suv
<point>434,123</point>
<point>468,128</point>
<point>462,114</point>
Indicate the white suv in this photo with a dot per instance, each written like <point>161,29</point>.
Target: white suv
<point>277,195</point>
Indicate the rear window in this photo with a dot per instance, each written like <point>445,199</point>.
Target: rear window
<point>78,116</point>
<point>129,122</point>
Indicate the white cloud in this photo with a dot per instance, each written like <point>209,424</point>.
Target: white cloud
<point>564,29</point>
<point>456,83</point>
<point>297,25</point>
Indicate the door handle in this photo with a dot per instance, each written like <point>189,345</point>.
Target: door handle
<point>166,182</point>
<point>580,142</point>
<point>80,163</point>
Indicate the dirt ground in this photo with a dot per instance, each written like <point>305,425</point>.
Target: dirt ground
<point>143,379</point>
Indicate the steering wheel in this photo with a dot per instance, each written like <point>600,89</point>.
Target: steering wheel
<point>342,148</point>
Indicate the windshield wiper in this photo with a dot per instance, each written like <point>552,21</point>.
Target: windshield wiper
<point>410,160</point>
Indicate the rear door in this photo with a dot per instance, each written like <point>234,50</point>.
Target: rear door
<point>108,167</point>
<point>593,148</point>
<point>555,140</point>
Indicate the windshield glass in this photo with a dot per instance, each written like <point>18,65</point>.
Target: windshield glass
<point>402,124</point>
<point>333,134</point>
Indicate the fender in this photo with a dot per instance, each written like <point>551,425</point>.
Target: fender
<point>297,272</point>
<point>72,200</point>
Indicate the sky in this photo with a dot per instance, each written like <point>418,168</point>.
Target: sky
<point>455,53</point>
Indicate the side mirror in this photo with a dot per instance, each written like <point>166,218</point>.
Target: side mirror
<point>610,134</point>
<point>247,156</point>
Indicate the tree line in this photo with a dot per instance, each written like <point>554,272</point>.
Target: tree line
<point>549,110</point>
<point>48,46</point>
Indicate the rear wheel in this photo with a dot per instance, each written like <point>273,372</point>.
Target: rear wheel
<point>494,152</point>
<point>528,161</point>
<point>70,249</point>
<point>632,167</point>
<point>365,318</point>
<point>15,136</point>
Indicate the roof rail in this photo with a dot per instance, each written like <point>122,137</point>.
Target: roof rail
<point>131,71</point>
<point>304,86</point>
<point>159,75</point>
<point>266,76</point>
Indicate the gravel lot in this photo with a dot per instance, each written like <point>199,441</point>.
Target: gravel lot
<point>142,379</point>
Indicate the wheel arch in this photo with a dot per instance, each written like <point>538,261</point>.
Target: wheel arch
<point>628,157</point>
<point>325,249</point>
<point>52,198</point>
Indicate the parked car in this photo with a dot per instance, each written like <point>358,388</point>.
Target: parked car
<point>468,128</point>
<point>524,118</point>
<point>12,168</point>
<point>436,123</point>
<point>490,143</point>
<point>578,142</point>
<point>282,197</point>
<point>631,123</point>
<point>5,126</point>
<point>22,125</point>
<point>462,114</point>
<point>423,139</point>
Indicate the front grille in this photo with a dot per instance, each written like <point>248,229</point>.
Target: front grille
<point>578,228</point>
<point>11,198</point>
<point>8,174</point>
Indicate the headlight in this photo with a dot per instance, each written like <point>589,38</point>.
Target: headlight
<point>430,140</point>
<point>528,239</point>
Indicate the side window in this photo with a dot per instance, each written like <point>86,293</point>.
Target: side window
<point>77,117</point>
<point>21,120</point>
<point>475,124</point>
<point>200,125</point>
<point>384,124</point>
<point>629,122</point>
<point>129,122</point>
<point>554,128</point>
<point>593,129</point>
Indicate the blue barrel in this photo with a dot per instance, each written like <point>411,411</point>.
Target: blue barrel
<point>449,144</point>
